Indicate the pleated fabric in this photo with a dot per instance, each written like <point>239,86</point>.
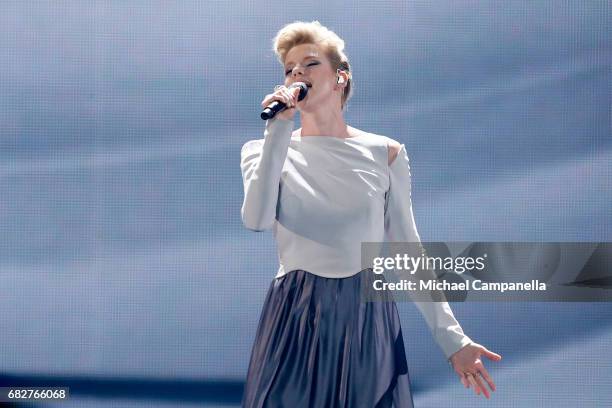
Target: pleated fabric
<point>319,345</point>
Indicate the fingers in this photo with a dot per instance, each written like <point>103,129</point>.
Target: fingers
<point>287,97</point>
<point>278,96</point>
<point>487,377</point>
<point>293,94</point>
<point>473,383</point>
<point>481,386</point>
<point>282,94</point>
<point>463,379</point>
<point>472,372</point>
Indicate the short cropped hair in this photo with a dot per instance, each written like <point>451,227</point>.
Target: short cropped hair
<point>301,32</point>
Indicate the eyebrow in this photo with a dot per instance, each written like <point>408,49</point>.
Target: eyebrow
<point>291,62</point>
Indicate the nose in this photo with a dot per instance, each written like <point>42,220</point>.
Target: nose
<point>297,68</point>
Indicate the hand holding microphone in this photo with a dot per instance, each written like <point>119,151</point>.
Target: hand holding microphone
<point>282,102</point>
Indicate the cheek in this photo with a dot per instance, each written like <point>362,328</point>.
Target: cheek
<point>324,85</point>
<point>325,90</point>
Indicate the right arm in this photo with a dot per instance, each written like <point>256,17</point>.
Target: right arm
<point>261,163</point>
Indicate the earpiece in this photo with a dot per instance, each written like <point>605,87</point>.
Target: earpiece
<point>340,79</point>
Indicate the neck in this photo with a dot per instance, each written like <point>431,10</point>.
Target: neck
<point>323,123</point>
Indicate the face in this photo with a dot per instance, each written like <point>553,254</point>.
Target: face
<point>308,63</point>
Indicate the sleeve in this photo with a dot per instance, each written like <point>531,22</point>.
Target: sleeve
<point>261,162</point>
<point>400,227</point>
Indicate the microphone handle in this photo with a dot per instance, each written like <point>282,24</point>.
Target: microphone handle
<point>276,106</point>
<point>272,109</point>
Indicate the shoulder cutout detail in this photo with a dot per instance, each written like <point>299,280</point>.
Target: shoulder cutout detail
<point>393,148</point>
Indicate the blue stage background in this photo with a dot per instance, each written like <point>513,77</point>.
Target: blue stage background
<point>123,261</point>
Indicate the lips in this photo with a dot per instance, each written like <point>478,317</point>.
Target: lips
<point>308,84</point>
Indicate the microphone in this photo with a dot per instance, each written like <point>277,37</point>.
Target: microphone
<point>277,106</point>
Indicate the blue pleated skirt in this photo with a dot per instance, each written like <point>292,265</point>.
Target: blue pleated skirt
<point>319,345</point>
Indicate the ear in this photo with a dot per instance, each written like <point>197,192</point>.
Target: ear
<point>342,77</point>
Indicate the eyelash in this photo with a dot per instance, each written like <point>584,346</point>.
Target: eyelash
<point>309,65</point>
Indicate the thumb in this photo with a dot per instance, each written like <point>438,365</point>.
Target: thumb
<point>491,355</point>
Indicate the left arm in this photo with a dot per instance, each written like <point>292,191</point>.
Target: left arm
<point>462,353</point>
<point>400,227</point>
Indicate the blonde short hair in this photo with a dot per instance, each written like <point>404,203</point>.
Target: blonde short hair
<point>301,32</point>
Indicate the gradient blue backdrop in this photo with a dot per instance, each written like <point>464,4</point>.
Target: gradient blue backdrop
<point>122,253</point>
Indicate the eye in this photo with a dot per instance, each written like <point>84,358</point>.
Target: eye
<point>309,65</point>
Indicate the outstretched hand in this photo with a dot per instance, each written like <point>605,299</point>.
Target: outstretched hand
<point>468,366</point>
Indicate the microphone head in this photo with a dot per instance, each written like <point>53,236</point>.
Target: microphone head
<point>303,89</point>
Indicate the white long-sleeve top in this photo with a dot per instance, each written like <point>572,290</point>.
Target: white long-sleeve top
<point>323,196</point>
